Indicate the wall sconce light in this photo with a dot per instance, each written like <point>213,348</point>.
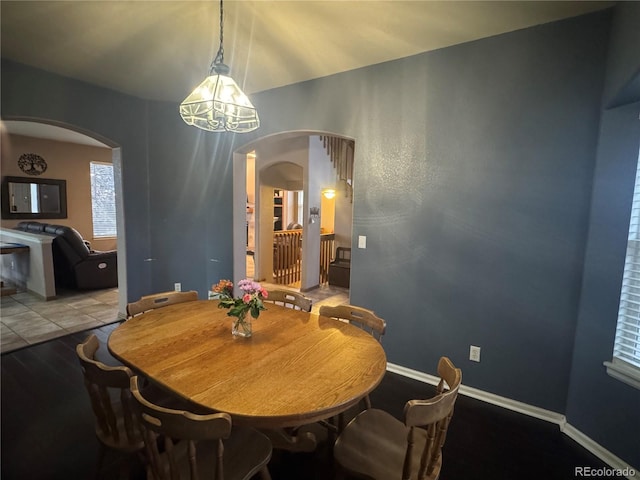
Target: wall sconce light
<point>329,193</point>
<point>314,214</point>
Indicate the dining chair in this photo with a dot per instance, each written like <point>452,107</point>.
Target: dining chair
<point>183,445</point>
<point>289,299</point>
<point>116,425</point>
<point>378,446</point>
<point>358,316</point>
<point>157,300</point>
<point>368,321</point>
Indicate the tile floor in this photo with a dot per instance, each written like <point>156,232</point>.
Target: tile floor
<point>27,320</point>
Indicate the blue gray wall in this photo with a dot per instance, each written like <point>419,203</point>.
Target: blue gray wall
<point>473,173</point>
<point>473,177</point>
<point>172,190</point>
<point>605,408</point>
<point>190,212</point>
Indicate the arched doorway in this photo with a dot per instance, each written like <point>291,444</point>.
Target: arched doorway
<point>279,220</point>
<point>62,132</point>
<point>321,172</point>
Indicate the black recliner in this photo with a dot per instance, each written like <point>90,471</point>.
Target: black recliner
<point>75,265</point>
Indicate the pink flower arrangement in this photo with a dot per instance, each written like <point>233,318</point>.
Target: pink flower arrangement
<point>249,301</point>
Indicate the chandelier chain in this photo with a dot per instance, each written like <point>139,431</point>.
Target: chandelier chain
<point>219,58</point>
<point>218,104</point>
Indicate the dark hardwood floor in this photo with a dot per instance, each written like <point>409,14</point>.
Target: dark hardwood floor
<point>47,428</point>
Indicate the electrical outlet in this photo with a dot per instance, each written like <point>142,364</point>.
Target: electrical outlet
<point>177,287</point>
<point>474,353</point>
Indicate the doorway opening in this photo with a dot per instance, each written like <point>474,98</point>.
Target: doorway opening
<point>43,129</point>
<point>291,225</point>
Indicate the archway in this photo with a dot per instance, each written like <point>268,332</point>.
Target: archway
<point>59,131</point>
<point>279,207</point>
<point>281,147</point>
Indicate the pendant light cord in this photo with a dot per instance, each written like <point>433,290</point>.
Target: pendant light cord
<point>219,58</point>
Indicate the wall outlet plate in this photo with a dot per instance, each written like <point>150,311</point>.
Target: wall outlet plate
<point>177,287</point>
<point>474,353</point>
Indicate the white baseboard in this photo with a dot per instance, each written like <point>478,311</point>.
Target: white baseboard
<point>547,415</point>
<point>599,451</point>
<point>491,398</point>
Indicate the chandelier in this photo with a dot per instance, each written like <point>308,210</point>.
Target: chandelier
<point>218,104</point>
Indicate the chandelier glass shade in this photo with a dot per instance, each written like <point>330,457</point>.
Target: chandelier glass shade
<point>218,104</point>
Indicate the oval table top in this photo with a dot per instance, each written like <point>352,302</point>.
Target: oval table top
<point>297,368</point>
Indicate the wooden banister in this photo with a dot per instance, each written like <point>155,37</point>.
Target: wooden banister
<point>287,256</point>
<point>340,151</point>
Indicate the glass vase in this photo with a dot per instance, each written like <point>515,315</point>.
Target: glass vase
<point>241,326</point>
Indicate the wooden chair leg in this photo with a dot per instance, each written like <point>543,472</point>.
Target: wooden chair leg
<point>331,425</point>
<point>341,423</point>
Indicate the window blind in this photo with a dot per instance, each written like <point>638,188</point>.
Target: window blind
<point>103,200</point>
<point>627,342</point>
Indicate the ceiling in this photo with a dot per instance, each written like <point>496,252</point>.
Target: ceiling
<point>161,50</point>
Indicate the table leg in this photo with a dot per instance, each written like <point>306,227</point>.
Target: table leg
<point>300,439</point>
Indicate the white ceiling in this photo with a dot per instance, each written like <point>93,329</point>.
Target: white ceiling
<point>162,49</point>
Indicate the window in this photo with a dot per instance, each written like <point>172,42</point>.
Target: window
<point>625,365</point>
<point>103,200</point>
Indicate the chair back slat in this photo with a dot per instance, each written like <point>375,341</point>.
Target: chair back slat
<point>377,445</point>
<point>152,453</point>
<point>433,416</point>
<point>363,318</point>
<point>128,416</point>
<point>193,464</point>
<point>158,300</point>
<point>408,456</point>
<point>289,299</point>
<point>187,438</point>
<point>180,433</point>
<point>103,411</point>
<point>108,390</point>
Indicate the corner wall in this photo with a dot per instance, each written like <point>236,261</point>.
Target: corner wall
<point>601,407</point>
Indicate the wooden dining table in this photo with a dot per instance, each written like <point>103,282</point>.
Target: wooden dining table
<point>296,368</point>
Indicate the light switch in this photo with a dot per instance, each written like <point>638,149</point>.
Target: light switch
<point>362,241</point>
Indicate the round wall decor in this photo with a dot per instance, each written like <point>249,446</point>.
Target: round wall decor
<point>32,164</point>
